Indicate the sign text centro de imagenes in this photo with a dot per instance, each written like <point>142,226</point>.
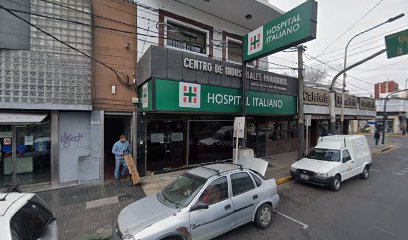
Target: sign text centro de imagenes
<point>177,96</point>
<point>292,28</point>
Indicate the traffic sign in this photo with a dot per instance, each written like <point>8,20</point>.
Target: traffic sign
<point>397,44</point>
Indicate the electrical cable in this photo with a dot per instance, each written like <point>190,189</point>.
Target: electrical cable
<point>348,29</point>
<point>117,73</point>
<point>308,55</point>
<point>128,32</point>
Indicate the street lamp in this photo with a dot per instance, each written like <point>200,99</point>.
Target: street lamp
<point>345,65</point>
<point>385,112</point>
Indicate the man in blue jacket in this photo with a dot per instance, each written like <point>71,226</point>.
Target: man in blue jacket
<point>120,149</point>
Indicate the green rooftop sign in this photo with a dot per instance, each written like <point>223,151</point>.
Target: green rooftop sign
<point>397,44</point>
<point>292,28</point>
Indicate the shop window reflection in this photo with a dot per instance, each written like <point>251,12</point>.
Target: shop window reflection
<point>277,130</point>
<point>210,141</point>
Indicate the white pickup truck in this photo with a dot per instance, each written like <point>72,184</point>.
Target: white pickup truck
<point>334,159</point>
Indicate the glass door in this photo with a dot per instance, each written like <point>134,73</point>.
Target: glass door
<point>33,148</point>
<point>165,145</point>
<point>6,167</point>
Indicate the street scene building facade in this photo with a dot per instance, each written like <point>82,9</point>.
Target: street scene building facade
<point>396,109</point>
<point>190,88</point>
<point>183,71</point>
<point>46,93</point>
<point>357,111</point>
<point>61,111</point>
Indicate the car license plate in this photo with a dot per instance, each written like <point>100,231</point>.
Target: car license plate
<point>304,176</point>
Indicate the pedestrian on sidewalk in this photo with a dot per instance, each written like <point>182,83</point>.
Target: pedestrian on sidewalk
<point>377,136</point>
<point>120,149</point>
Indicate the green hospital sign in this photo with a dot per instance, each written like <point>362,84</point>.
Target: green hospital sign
<point>174,96</point>
<point>292,28</point>
<point>397,44</point>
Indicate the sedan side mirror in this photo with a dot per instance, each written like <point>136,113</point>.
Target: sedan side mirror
<point>198,206</point>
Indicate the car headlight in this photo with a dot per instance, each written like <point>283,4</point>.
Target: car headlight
<point>128,237</point>
<point>293,169</point>
<point>321,174</point>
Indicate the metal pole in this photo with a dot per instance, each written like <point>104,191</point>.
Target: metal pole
<point>332,92</point>
<point>301,124</point>
<point>13,154</point>
<point>384,120</point>
<point>307,139</point>
<point>385,112</point>
<point>244,102</point>
<point>345,65</point>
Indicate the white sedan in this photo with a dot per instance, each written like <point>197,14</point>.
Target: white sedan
<point>203,203</point>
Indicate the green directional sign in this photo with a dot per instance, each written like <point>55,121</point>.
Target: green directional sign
<point>174,96</point>
<point>292,28</point>
<point>397,44</point>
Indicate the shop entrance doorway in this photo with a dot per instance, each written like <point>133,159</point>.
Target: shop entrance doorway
<point>166,145</point>
<point>114,127</point>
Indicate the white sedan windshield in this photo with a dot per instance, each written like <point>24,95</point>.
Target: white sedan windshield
<point>183,189</point>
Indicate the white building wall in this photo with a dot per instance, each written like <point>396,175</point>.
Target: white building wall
<point>148,19</point>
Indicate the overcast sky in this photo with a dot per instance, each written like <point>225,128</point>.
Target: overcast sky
<point>334,18</point>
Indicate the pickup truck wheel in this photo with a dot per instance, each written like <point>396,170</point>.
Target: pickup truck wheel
<point>263,216</point>
<point>365,173</point>
<point>336,183</point>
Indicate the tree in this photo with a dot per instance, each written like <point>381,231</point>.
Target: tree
<point>315,75</point>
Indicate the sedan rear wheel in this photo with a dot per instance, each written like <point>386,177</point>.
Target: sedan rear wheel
<point>263,216</point>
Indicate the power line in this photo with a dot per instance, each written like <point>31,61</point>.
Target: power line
<point>348,29</point>
<point>123,31</point>
<point>364,41</point>
<point>117,73</point>
<point>372,69</point>
<point>349,55</point>
<point>308,55</point>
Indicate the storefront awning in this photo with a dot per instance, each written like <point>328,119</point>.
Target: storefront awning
<point>21,118</point>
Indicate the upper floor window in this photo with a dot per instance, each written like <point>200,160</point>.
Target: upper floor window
<point>234,51</point>
<point>187,38</point>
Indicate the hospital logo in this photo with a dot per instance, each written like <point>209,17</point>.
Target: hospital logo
<point>255,41</point>
<point>189,95</point>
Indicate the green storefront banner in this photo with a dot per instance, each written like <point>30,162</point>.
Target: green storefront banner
<point>174,96</point>
<point>290,29</point>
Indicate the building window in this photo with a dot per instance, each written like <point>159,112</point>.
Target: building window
<point>234,51</point>
<point>187,38</point>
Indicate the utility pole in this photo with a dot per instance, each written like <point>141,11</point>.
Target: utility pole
<point>332,104</point>
<point>301,116</point>
<point>244,102</point>
<point>345,65</point>
<point>385,112</point>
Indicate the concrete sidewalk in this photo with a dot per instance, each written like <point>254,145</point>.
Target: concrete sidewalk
<point>89,211</point>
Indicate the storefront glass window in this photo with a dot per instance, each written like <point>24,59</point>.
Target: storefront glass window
<point>33,147</point>
<point>293,131</point>
<point>210,141</point>
<point>5,154</point>
<point>277,130</point>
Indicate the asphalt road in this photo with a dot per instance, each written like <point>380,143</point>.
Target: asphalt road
<point>371,209</point>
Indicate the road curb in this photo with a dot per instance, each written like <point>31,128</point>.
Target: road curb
<point>383,150</point>
<point>283,180</point>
